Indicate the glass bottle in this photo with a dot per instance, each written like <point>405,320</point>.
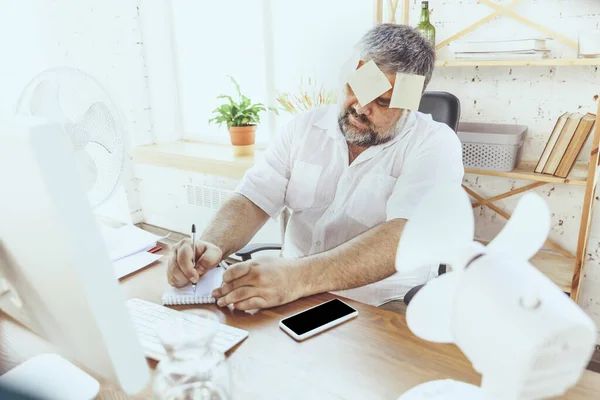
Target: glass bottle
<point>425,27</point>
<point>193,369</point>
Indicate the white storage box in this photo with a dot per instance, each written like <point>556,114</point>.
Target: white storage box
<point>491,146</point>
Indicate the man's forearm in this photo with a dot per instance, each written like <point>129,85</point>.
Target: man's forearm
<point>235,224</point>
<point>368,258</point>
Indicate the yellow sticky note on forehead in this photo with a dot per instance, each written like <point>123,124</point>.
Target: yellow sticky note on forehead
<point>368,83</point>
<point>408,90</point>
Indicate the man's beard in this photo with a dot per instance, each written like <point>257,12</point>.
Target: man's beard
<point>367,136</point>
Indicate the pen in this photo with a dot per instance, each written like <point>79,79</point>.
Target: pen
<point>194,250</point>
<point>223,265</point>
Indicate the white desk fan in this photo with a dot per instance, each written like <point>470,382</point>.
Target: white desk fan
<point>77,102</point>
<point>519,330</point>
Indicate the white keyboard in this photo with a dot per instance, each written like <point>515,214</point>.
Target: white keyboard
<point>146,316</point>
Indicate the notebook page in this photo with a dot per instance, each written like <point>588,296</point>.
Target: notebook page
<point>185,295</point>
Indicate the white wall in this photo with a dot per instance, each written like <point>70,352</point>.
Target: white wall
<point>100,37</point>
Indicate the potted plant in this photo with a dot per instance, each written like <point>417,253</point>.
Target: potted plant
<point>241,117</point>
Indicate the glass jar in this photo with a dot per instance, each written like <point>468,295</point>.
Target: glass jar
<point>193,369</point>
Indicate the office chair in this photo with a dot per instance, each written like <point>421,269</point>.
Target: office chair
<point>444,107</point>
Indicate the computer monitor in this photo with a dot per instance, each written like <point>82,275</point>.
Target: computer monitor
<point>53,256</point>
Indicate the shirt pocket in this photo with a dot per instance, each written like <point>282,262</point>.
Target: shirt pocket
<point>368,203</point>
<point>302,187</point>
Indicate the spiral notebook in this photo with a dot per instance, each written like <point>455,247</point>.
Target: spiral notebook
<point>185,295</point>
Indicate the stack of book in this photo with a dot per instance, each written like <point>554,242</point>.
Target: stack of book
<point>565,142</point>
<point>528,49</point>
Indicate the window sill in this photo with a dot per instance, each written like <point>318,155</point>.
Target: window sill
<point>212,159</point>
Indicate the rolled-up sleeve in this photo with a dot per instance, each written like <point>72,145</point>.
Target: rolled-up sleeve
<point>265,184</point>
<point>436,161</point>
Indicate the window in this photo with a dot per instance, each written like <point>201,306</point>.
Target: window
<point>268,46</point>
<point>314,38</point>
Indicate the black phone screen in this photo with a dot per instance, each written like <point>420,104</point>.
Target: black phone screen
<point>318,316</point>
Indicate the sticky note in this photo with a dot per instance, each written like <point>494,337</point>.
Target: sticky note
<point>349,67</point>
<point>408,90</point>
<point>368,83</point>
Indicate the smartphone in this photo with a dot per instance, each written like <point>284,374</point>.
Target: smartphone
<point>316,319</point>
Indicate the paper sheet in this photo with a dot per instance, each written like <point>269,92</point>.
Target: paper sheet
<point>207,283</point>
<point>132,263</point>
<point>368,83</point>
<point>127,240</point>
<point>408,90</point>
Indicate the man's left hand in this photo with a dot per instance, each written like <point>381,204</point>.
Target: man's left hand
<point>260,283</point>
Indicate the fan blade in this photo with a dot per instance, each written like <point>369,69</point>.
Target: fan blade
<point>430,312</point>
<point>100,127</point>
<point>45,103</point>
<point>526,231</point>
<point>439,230</point>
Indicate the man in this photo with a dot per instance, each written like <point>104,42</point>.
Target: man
<point>351,178</point>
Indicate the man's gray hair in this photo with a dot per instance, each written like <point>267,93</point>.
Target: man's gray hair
<point>398,48</point>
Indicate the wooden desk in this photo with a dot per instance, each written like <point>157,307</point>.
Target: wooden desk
<point>374,356</point>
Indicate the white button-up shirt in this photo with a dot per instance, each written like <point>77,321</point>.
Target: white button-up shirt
<point>306,169</point>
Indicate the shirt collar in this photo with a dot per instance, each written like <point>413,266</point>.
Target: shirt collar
<point>329,122</point>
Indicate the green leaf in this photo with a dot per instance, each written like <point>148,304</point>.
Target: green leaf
<point>237,86</point>
<point>245,101</point>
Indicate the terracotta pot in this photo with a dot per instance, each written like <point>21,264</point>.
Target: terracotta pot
<point>242,139</point>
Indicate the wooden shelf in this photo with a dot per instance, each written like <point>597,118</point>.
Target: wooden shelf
<point>556,267</point>
<point>211,159</point>
<point>519,63</point>
<point>524,170</point>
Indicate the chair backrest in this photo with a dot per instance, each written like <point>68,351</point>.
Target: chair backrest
<point>444,107</point>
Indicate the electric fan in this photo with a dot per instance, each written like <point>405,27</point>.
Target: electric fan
<point>519,330</point>
<point>76,101</point>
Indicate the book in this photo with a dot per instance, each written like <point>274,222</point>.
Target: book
<point>562,143</point>
<point>519,55</point>
<point>560,123</point>
<point>185,295</point>
<point>575,146</point>
<point>490,46</point>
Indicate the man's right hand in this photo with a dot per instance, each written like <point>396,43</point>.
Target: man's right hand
<point>182,270</point>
